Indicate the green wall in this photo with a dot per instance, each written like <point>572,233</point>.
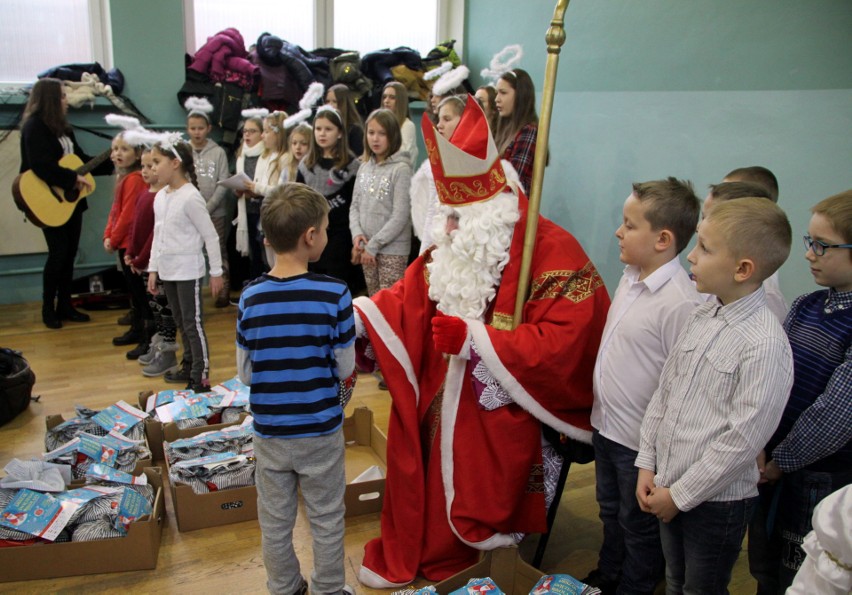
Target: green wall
<point>690,89</point>
<point>646,89</point>
<point>148,47</point>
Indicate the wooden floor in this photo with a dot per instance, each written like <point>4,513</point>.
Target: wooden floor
<point>79,365</point>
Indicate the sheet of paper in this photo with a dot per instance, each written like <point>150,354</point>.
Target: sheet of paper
<point>236,182</point>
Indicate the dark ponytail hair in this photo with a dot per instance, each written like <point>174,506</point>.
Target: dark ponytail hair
<point>180,150</point>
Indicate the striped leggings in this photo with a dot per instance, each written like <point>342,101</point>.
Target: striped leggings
<point>185,301</point>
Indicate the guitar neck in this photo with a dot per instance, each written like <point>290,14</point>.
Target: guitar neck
<point>95,161</point>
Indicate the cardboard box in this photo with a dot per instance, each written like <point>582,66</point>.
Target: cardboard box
<point>154,430</point>
<point>366,445</point>
<point>51,421</point>
<point>197,511</point>
<point>138,550</point>
<point>504,566</point>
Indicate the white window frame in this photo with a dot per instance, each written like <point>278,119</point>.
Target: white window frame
<point>100,40</point>
<point>100,24</point>
<point>450,23</point>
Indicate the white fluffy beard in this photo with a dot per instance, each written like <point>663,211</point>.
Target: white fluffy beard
<point>467,263</point>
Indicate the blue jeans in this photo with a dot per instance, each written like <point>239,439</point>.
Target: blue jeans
<point>781,522</point>
<point>631,546</point>
<point>701,546</point>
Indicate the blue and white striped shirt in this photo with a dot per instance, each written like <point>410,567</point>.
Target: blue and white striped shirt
<point>290,329</point>
<point>721,394</point>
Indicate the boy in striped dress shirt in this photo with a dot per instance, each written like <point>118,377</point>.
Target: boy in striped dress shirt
<point>721,395</point>
<point>295,344</point>
<point>812,447</point>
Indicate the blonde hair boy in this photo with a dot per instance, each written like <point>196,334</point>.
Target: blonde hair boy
<point>755,232</point>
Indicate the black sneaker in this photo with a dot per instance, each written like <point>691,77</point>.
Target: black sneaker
<point>180,376</point>
<point>607,585</point>
<point>69,313</point>
<point>303,588</point>
<point>139,350</point>
<point>198,387</point>
<point>131,337</point>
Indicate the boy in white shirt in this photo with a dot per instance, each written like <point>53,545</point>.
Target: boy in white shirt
<point>722,392</point>
<point>652,302</point>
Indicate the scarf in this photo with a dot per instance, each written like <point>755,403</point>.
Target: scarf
<point>242,238</point>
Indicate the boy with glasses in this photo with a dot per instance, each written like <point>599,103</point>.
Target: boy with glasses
<point>812,447</point>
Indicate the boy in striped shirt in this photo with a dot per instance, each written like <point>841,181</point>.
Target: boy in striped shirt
<point>295,344</point>
<point>721,394</point>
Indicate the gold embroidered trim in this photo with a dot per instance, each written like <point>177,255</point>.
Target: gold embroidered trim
<point>572,285</point>
<point>501,321</point>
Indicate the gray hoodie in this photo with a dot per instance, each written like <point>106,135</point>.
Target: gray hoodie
<point>381,209</point>
<point>211,167</point>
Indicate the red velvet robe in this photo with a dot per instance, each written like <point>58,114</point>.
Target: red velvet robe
<point>461,478</point>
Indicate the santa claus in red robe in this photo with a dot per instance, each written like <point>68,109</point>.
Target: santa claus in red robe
<point>467,465</point>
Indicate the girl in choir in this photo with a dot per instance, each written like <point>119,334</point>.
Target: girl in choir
<point>340,98</point>
<point>248,205</point>
<point>395,99</point>
<point>160,357</point>
<point>330,169</point>
<point>424,197</point>
<point>299,145</point>
<point>517,122</point>
<point>211,167</point>
<point>486,95</point>
<point>266,174</point>
<point>182,228</point>
<point>129,185</point>
<point>379,218</point>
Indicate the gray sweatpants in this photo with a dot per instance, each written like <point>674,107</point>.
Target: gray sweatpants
<point>316,466</point>
<point>185,301</point>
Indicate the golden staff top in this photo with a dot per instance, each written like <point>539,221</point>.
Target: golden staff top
<point>555,37</point>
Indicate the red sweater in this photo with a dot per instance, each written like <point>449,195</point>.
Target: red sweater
<point>142,230</point>
<point>123,207</point>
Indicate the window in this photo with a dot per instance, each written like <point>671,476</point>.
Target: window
<point>368,25</point>
<point>38,34</point>
<point>362,25</point>
<point>293,20</point>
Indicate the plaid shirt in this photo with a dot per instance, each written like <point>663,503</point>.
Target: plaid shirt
<point>816,428</point>
<point>520,154</point>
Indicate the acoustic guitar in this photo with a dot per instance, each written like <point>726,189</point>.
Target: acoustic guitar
<point>51,206</point>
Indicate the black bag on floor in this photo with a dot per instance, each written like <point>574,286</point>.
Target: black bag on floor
<point>16,384</point>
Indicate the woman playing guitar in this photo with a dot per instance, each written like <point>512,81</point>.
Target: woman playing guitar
<point>45,138</point>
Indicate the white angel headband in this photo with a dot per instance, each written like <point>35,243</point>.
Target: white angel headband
<point>255,112</point>
<point>149,138</point>
<point>198,106</point>
<point>121,121</point>
<point>502,62</point>
<point>328,108</point>
<point>315,93</point>
<point>450,80</point>
<point>276,114</point>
